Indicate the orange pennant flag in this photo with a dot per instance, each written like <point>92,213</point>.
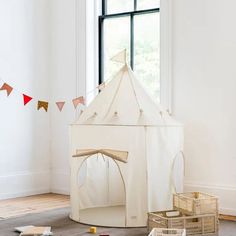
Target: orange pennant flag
<point>7,87</point>
<point>77,101</point>
<point>60,105</point>
<point>42,104</point>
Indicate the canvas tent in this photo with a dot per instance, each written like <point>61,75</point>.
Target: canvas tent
<point>123,150</point>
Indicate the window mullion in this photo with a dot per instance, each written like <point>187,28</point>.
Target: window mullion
<point>104,7</point>
<point>135,5</point>
<point>101,50</point>
<point>132,41</point>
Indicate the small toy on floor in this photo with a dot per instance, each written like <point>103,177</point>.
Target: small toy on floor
<point>93,230</point>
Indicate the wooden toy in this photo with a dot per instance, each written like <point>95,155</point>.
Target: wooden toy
<point>93,230</point>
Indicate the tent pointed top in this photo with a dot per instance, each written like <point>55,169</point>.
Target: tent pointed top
<point>124,102</point>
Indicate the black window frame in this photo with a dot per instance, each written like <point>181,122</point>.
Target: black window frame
<point>104,16</point>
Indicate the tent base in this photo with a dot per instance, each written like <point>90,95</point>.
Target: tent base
<point>112,216</point>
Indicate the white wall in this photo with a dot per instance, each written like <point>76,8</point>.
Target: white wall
<point>24,64</point>
<point>42,51</point>
<point>204,83</point>
<point>72,63</point>
<point>204,46</point>
<point>63,86</point>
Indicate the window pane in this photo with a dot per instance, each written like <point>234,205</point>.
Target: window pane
<point>117,6</point>
<point>147,52</point>
<point>147,4</point>
<point>116,39</point>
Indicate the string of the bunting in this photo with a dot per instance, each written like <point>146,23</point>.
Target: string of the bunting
<point>45,104</point>
<point>121,57</point>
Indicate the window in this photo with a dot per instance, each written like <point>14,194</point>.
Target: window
<point>133,25</point>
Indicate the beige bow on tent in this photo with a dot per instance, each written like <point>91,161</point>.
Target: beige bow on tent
<point>115,154</point>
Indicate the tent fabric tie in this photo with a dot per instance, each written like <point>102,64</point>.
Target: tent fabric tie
<point>118,155</point>
<point>116,92</point>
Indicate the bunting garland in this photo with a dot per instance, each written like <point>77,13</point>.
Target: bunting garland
<point>60,105</point>
<point>121,57</point>
<point>26,99</point>
<point>77,101</point>
<point>45,104</point>
<point>7,87</point>
<point>101,86</point>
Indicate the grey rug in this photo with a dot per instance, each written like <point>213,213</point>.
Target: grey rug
<point>62,226</point>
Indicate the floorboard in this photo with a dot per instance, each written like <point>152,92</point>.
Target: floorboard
<point>229,218</point>
<point>62,226</point>
<point>32,204</point>
<point>52,210</point>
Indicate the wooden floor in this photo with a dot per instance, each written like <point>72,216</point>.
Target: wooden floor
<point>33,204</point>
<point>61,225</point>
<point>228,218</point>
<point>52,210</point>
<point>43,202</point>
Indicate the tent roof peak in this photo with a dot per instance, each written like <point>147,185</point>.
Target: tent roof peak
<point>125,97</point>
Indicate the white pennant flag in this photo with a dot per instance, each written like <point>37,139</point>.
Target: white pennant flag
<point>120,57</point>
<point>101,86</point>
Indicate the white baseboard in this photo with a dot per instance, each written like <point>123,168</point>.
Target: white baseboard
<point>226,194</point>
<point>60,182</point>
<point>60,191</point>
<point>24,184</point>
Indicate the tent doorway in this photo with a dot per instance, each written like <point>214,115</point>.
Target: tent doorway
<point>102,196</point>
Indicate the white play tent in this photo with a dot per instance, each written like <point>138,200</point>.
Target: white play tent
<point>123,149</point>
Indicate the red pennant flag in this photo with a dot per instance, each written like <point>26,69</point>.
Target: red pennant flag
<point>60,105</point>
<point>77,101</point>
<point>26,99</point>
<point>7,87</point>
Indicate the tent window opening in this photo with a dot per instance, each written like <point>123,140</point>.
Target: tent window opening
<point>133,25</point>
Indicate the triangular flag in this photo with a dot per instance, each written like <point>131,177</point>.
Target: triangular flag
<point>101,86</point>
<point>120,57</point>
<point>60,105</point>
<point>77,101</point>
<point>7,87</point>
<point>26,99</point>
<point>42,104</point>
